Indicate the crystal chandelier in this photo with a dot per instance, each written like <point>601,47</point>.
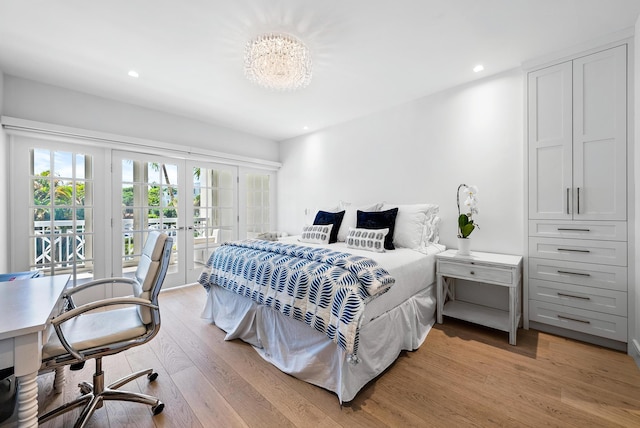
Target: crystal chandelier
<point>278,61</point>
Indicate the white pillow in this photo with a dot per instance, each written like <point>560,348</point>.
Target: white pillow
<point>431,231</point>
<point>411,223</point>
<point>349,219</point>
<point>367,239</point>
<point>330,209</point>
<point>316,234</point>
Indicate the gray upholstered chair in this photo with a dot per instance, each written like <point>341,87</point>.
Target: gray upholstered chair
<point>90,331</point>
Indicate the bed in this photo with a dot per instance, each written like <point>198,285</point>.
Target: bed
<point>394,320</point>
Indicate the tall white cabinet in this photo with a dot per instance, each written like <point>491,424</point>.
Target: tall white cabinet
<point>577,198</point>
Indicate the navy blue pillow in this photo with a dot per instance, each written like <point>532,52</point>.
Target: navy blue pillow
<point>379,220</point>
<point>324,217</point>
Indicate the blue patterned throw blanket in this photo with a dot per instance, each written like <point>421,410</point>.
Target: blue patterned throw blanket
<point>325,289</point>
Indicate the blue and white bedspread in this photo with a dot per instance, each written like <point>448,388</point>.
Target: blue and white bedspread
<point>325,289</point>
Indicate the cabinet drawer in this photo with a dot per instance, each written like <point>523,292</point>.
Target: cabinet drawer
<point>595,323</point>
<point>609,231</point>
<point>589,274</point>
<point>475,272</point>
<point>579,250</point>
<point>578,296</point>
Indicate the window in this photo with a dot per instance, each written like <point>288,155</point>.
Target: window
<point>258,198</point>
<point>82,209</point>
<point>61,235</point>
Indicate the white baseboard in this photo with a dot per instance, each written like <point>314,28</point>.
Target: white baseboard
<point>636,355</point>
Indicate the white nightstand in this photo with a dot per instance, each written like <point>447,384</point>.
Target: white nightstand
<point>489,268</point>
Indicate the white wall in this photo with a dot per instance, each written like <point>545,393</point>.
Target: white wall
<point>4,207</point>
<point>635,332</point>
<point>420,152</point>
<point>27,99</point>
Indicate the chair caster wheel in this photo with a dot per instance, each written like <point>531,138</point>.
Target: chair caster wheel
<point>152,376</point>
<point>85,388</point>
<point>77,366</point>
<point>158,408</point>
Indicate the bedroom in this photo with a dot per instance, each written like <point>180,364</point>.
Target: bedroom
<point>475,132</point>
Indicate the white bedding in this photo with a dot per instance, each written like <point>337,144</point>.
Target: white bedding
<point>397,320</point>
<point>410,268</point>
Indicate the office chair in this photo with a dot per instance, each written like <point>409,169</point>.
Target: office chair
<point>80,333</point>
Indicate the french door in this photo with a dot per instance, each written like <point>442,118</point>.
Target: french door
<point>58,209</point>
<point>194,202</point>
<point>86,211</point>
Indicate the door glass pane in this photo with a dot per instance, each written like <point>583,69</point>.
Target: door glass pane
<point>213,193</point>
<point>257,197</point>
<point>149,202</point>
<point>62,215</point>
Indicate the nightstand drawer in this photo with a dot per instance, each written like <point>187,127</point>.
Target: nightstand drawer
<point>596,323</point>
<point>579,250</point>
<point>589,274</point>
<point>474,272</point>
<point>578,296</point>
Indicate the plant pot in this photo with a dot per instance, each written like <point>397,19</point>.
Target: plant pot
<point>464,246</point>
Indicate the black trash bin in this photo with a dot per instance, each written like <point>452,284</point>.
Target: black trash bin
<point>7,393</point>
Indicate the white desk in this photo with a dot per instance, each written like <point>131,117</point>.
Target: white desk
<point>26,307</point>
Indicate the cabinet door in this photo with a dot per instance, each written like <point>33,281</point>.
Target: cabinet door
<point>599,135</point>
<point>549,119</point>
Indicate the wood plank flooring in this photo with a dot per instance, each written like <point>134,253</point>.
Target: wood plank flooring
<point>463,375</point>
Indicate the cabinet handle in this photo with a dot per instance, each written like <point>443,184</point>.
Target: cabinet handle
<point>572,296</point>
<point>573,230</point>
<point>568,201</point>
<point>573,319</point>
<point>573,250</point>
<point>578,200</point>
<point>574,273</point>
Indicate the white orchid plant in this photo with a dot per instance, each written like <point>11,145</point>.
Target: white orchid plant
<point>466,224</point>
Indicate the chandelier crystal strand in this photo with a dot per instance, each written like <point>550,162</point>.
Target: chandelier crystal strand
<point>278,61</point>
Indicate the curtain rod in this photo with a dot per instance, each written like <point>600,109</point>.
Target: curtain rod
<point>30,128</point>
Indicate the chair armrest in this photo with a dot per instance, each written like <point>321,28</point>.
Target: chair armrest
<point>116,280</point>
<point>90,284</point>
<point>72,313</point>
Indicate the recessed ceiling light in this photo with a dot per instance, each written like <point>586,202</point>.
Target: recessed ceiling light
<point>478,68</point>
<point>305,127</point>
<point>133,73</point>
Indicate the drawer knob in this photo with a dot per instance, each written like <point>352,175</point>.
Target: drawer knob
<point>472,273</point>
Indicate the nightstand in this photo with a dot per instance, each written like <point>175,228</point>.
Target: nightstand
<point>497,269</point>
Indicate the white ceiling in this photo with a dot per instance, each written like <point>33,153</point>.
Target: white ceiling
<point>368,55</point>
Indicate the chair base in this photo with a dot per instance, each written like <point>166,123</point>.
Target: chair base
<point>93,395</point>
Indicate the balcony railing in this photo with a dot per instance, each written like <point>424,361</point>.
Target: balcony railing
<point>60,245</point>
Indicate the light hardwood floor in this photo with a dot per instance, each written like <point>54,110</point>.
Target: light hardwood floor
<point>463,375</point>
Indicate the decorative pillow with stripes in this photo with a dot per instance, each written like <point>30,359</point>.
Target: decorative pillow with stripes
<point>367,239</point>
<point>316,234</point>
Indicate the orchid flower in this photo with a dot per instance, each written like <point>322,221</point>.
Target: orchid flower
<point>471,201</point>
<point>465,224</point>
